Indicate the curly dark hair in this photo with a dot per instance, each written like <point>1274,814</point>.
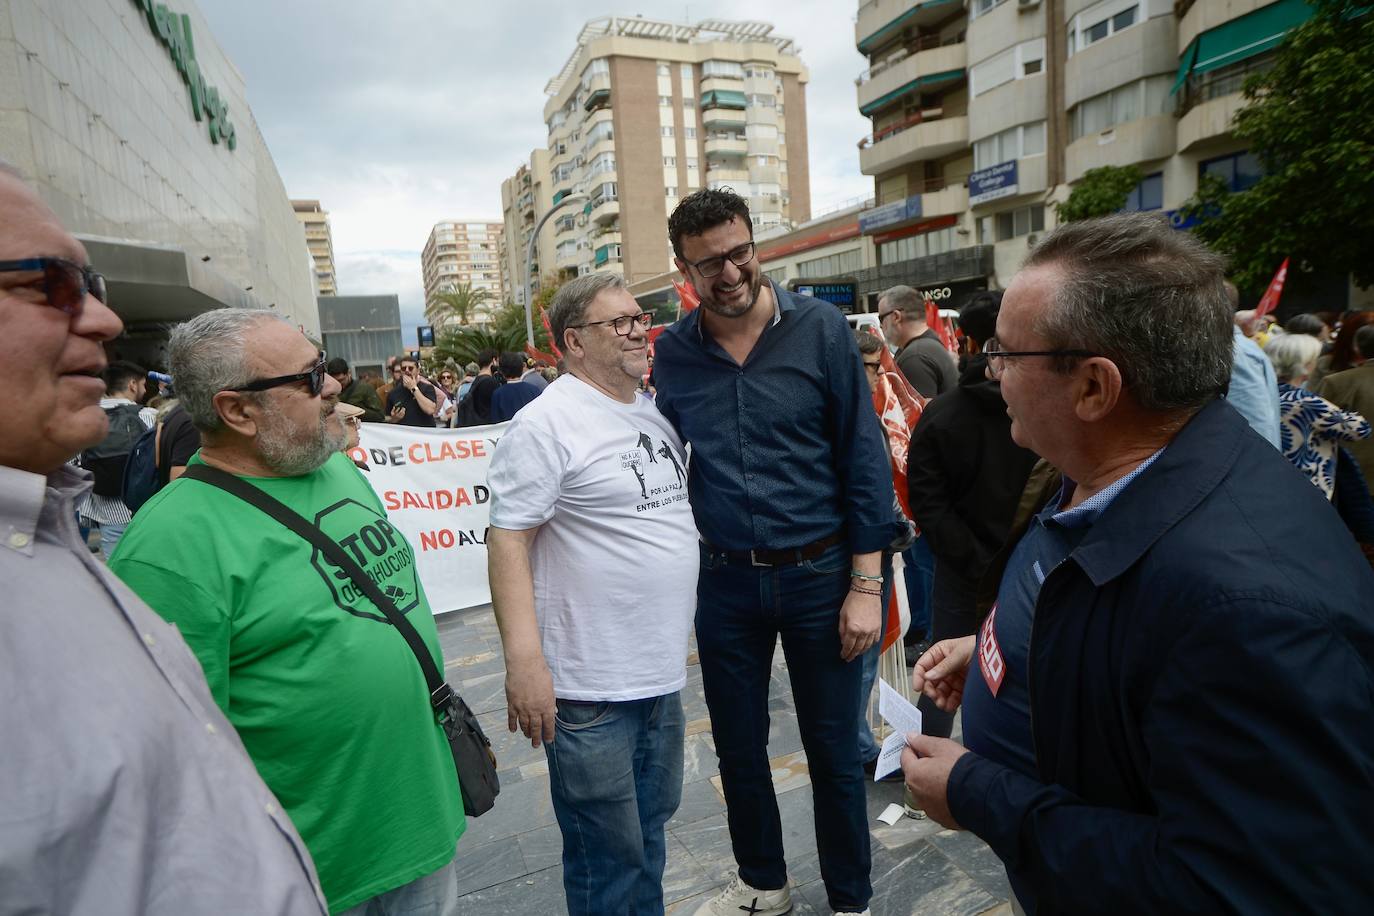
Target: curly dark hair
<point>704,210</point>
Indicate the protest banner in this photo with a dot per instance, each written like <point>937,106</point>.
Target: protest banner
<point>433,484</point>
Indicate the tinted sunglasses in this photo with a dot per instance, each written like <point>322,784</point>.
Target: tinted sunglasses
<point>65,283</point>
<point>315,377</point>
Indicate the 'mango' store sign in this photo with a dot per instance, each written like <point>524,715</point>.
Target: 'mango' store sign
<point>174,31</point>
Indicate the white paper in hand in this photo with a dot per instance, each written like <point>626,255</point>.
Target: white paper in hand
<point>890,757</point>
<point>896,710</point>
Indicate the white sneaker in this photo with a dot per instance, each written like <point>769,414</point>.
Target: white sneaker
<point>739,899</point>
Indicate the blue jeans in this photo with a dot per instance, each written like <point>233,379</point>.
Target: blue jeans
<point>741,612</point>
<point>920,579</point>
<point>109,537</point>
<point>615,774</point>
<point>435,894</point>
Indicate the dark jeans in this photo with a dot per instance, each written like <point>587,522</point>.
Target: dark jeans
<point>955,614</point>
<point>741,612</point>
<point>615,774</point>
<point>919,574</point>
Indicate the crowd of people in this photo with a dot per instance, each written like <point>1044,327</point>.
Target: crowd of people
<point>1138,578</point>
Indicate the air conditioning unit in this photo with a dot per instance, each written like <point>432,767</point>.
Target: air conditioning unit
<point>1024,5</point>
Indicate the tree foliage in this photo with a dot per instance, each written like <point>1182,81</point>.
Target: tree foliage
<point>456,305</point>
<point>1310,121</point>
<point>1100,192</point>
<point>504,332</point>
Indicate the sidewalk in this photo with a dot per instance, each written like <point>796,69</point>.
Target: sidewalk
<point>509,861</point>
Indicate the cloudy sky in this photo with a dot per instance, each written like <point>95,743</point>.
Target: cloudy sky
<point>397,115</point>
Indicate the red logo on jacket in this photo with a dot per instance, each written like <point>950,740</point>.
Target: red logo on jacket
<point>990,654</point>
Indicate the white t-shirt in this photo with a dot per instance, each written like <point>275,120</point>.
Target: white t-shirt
<point>615,563</point>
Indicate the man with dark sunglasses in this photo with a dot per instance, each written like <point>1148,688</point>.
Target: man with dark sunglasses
<point>125,789</point>
<point>413,402</point>
<point>329,700</point>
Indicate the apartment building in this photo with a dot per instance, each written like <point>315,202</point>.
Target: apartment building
<point>464,252</point>
<point>526,197</point>
<point>986,113</point>
<point>314,219</point>
<point>643,113</point>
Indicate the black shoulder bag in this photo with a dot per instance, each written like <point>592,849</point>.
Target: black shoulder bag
<point>472,754</point>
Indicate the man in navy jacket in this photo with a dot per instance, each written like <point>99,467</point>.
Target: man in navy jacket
<point>1171,706</point>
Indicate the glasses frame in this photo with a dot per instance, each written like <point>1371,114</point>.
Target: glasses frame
<point>996,357</point>
<point>315,376</point>
<point>644,319</point>
<point>719,260</point>
<point>62,270</point>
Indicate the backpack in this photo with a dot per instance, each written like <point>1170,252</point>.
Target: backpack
<point>107,460</point>
<point>141,478</point>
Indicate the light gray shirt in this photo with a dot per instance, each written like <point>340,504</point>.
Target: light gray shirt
<point>123,789</point>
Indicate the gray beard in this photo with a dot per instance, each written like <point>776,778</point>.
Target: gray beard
<point>292,452</point>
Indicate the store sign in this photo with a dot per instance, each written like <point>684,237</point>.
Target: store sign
<point>991,183</point>
<point>898,211</point>
<point>174,31</point>
<point>843,295</point>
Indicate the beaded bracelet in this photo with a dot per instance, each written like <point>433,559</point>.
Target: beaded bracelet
<point>855,574</point>
<point>877,593</point>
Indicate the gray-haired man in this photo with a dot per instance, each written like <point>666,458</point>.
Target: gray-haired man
<point>125,790</point>
<point>925,362</point>
<point>592,555</point>
<point>329,699</point>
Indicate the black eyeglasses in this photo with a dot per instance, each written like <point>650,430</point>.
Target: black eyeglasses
<point>315,377</point>
<point>65,283</point>
<point>711,267</point>
<point>997,356</point>
<point>622,324</point>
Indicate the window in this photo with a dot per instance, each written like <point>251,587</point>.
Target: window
<point>689,132</point>
<point>691,162</point>
<point>1148,195</point>
<point>937,241</point>
<point>670,191</point>
<point>1240,171</point>
<point>1018,222</point>
<point>723,68</point>
<point>663,69</point>
<point>1012,143</point>
<point>665,131</point>
<point>978,8</point>
<point>670,161</point>
<point>688,102</point>
<point>603,163</point>
<point>762,101</point>
<point>1101,21</point>
<point>1018,62</point>
<point>665,101</point>
<point>833,265</point>
<point>1141,99</point>
<point>685,70</point>
<point>598,67</point>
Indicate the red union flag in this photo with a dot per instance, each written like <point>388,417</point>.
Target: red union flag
<point>1270,301</point>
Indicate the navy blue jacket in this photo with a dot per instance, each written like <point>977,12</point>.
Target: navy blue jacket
<point>1202,700</point>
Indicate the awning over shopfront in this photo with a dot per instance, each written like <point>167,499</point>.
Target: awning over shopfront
<point>162,283</point>
<point>1239,39</point>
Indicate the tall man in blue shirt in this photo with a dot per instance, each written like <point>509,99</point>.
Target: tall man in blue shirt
<point>792,494</point>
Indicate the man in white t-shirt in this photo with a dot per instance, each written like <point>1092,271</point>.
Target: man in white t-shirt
<point>593,563</point>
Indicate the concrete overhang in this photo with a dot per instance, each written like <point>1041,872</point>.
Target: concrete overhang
<point>148,282</point>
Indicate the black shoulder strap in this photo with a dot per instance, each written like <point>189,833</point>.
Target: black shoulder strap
<point>439,691</point>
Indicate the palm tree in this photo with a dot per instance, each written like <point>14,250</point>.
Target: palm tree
<point>455,304</point>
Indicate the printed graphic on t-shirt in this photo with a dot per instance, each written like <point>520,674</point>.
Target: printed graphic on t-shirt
<point>375,546</point>
<point>990,654</point>
<point>655,494</point>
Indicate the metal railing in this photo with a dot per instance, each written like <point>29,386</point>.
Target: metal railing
<point>878,136</point>
<point>914,46</point>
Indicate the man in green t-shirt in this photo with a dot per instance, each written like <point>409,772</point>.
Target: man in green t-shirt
<point>327,696</point>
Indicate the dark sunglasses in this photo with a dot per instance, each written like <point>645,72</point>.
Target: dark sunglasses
<point>65,283</point>
<point>315,377</point>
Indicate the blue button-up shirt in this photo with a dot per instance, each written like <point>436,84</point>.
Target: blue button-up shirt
<point>786,449</point>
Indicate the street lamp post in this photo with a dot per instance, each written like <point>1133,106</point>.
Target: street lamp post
<point>529,261</point>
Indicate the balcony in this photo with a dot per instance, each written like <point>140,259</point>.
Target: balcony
<point>927,135</point>
<point>597,100</point>
<point>1131,143</point>
<point>605,210</point>
<point>726,146</point>
<point>881,21</point>
<point>722,117</point>
<point>931,68</point>
<point>1209,120</point>
<point>949,200</point>
<point>764,174</point>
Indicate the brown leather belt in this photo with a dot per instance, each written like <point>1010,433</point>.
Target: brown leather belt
<point>791,556</point>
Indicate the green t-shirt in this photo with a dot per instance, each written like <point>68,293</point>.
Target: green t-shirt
<point>326,695</point>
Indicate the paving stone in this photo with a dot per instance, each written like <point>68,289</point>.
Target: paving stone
<point>699,799</point>
<point>521,807</point>
<point>538,893</point>
<point>541,848</point>
<point>487,864</point>
<point>975,859</point>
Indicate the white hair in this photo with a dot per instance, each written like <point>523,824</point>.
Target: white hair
<point>208,355</point>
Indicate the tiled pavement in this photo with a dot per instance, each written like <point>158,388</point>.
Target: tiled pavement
<point>510,858</point>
